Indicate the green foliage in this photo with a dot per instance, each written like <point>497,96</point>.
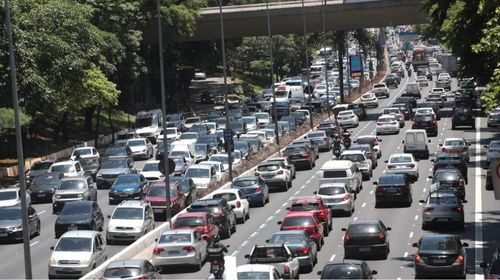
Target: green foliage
<point>491,96</point>
<point>99,89</point>
<point>7,120</point>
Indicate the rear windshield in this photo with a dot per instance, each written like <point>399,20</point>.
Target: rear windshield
<point>449,200</point>
<point>438,243</point>
<point>122,272</point>
<point>400,159</point>
<point>41,165</point>
<point>342,272</point>
<point>370,141</point>
<point>298,221</point>
<point>175,238</point>
<point>272,167</point>
<point>358,229</point>
<point>50,180</point>
<point>353,157</point>
<point>334,174</point>
<point>331,190</point>
<point>226,196</point>
<point>245,183</point>
<point>304,206</point>
<point>391,180</point>
<point>189,222</point>
<point>454,143</point>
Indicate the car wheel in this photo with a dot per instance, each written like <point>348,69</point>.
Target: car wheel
<point>377,205</point>
<point>109,241</point>
<point>248,215</point>
<point>242,219</point>
<point>453,126</point>
<point>425,226</point>
<point>326,232</point>
<point>38,229</point>
<point>233,229</point>
<point>263,202</point>
<point>228,230</point>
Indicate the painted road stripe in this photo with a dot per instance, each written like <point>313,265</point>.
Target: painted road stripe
<point>411,234</point>
<point>364,204</point>
<point>416,217</point>
<point>478,216</point>
<point>34,243</point>
<point>332,258</point>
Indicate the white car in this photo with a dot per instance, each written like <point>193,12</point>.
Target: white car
<point>422,81</point>
<point>189,137</point>
<point>439,91</point>
<point>347,118</point>
<point>200,75</point>
<point>151,172</point>
<point>217,165</point>
<point>320,89</point>
<point>189,122</point>
<point>12,196</point>
<point>425,111</point>
<point>338,197</point>
<point>286,161</point>
<point>180,247</point>
<point>237,199</point>
<point>263,118</point>
<point>222,158</point>
<point>403,163</point>
<point>202,175</point>
<point>172,133</point>
<point>212,127</point>
<point>256,271</point>
<point>387,124</point>
<point>381,89</point>
<point>400,117</point>
<point>359,158</point>
<point>76,253</point>
<point>369,99</point>
<point>493,150</point>
<point>141,148</point>
<point>84,152</point>
<point>251,122</point>
<point>275,174</point>
<point>70,168</point>
<point>130,220</point>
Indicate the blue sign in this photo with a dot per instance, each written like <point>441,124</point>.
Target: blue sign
<point>356,65</point>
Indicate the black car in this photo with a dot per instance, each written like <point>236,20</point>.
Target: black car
<point>463,116</point>
<point>440,255</point>
<point>11,225</point>
<point>188,187</point>
<point>392,80</point>
<point>405,108</point>
<point>348,269</point>
<point>43,187</point>
<point>366,238</point>
<point>222,213</point>
<point>79,215</point>
<point>330,127</point>
<point>433,105</point>
<point>37,168</point>
<point>358,109</point>
<point>492,268</point>
<point>161,148</point>
<point>90,165</point>
<point>282,109</point>
<point>111,168</point>
<point>407,99</point>
<point>118,151</point>
<point>445,160</point>
<point>427,122</point>
<point>201,129</point>
<point>393,188</point>
<point>450,178</point>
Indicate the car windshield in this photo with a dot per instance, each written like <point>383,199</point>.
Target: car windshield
<point>353,157</point>
<point>63,168</point>
<point>128,213</point>
<point>189,222</point>
<point>495,145</point>
<point>112,164</point>
<point>41,165</point>
<point>74,244</point>
<point>261,115</point>
<point>162,192</point>
<point>268,167</point>
<point>127,179</point>
<point>360,229</point>
<point>440,243</point>
<point>342,272</point>
<point>175,238</point>
<point>331,190</point>
<point>253,275</point>
<point>122,272</point>
<point>222,159</point>
<point>334,174</point>
<point>248,120</point>
<point>171,118</point>
<point>171,131</point>
<point>298,221</point>
<point>46,180</point>
<point>136,143</point>
<point>305,206</point>
<point>454,143</point>
<point>315,135</point>
<point>295,149</point>
<point>8,195</point>
<point>226,196</point>
<point>178,161</point>
<point>83,152</point>
<point>187,136</point>
<point>150,166</point>
<point>285,238</point>
<point>400,159</point>
<point>245,183</point>
<point>198,173</point>
<point>76,209</point>
<point>10,214</point>
<point>72,185</point>
<point>192,120</point>
<point>116,151</point>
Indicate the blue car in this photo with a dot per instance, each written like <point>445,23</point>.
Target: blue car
<point>128,187</point>
<point>254,188</point>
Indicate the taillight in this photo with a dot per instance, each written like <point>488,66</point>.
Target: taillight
<point>347,237</point>
<point>444,149</point>
<point>257,173</point>
<point>410,165</point>
<point>428,209</point>
<point>258,189</point>
<point>381,236</point>
<point>460,259</point>
<point>215,261</point>
<point>303,250</point>
<point>379,190</point>
<point>458,209</point>
<point>434,122</point>
<point>238,204</point>
<point>418,258</point>
<point>414,122</point>
<point>322,214</point>
<point>158,250</point>
<point>286,269</point>
<point>461,182</point>
<point>403,189</point>
<point>305,154</point>
<point>141,278</point>
<point>188,248</point>
<point>345,197</point>
<point>279,172</point>
<point>370,155</point>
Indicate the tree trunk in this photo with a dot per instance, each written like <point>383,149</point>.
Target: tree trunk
<point>89,113</point>
<point>65,128</point>
<point>111,125</point>
<point>98,117</point>
<point>341,71</point>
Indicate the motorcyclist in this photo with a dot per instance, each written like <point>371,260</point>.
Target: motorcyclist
<point>336,145</point>
<point>215,253</point>
<point>346,135</point>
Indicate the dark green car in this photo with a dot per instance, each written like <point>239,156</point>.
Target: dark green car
<point>392,80</point>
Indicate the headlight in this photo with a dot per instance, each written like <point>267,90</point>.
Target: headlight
<point>52,261</point>
<point>138,228</point>
<point>143,151</point>
<point>98,175</point>
<point>58,196</point>
<point>85,262</point>
<point>16,228</point>
<point>80,195</point>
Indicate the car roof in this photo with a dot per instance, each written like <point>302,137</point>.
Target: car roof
<point>200,166</point>
<point>63,162</point>
<point>80,233</point>
<point>246,178</point>
<point>9,189</point>
<point>126,263</point>
<point>337,164</point>
<point>306,199</point>
<point>255,267</point>
<point>132,203</point>
<point>209,201</point>
<point>364,222</point>
<point>73,178</point>
<point>387,116</point>
<point>345,262</point>
<point>401,155</point>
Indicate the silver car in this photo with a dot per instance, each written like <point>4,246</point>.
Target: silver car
<point>442,207</point>
<point>130,220</point>
<point>320,139</point>
<point>338,197</point>
<point>72,189</point>
<point>456,146</point>
<point>493,150</point>
<point>131,269</point>
<point>141,148</point>
<point>180,247</point>
<point>360,160</point>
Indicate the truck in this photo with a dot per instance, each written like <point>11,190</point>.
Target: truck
<point>149,124</point>
<point>449,63</point>
<point>277,255</point>
<point>419,57</point>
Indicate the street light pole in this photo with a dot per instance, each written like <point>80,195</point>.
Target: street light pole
<point>307,65</point>
<point>164,114</point>
<point>270,38</point>
<point>224,66</point>
<point>19,145</point>
<point>325,57</point>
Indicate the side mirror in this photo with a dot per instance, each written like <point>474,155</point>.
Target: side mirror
<point>280,222</point>
<point>247,256</point>
<point>486,146</point>
<point>374,272</point>
<point>52,248</point>
<point>421,201</point>
<point>343,229</point>
<point>267,240</point>
<point>188,209</point>
<point>288,208</point>
<point>109,216</point>
<point>386,161</point>
<point>315,192</point>
<point>432,160</point>
<point>429,140</point>
<point>465,244</point>
<point>159,269</point>
<point>441,145</point>
<point>320,272</point>
<point>402,141</point>
<point>375,183</point>
<point>415,245</point>
<point>464,201</point>
<point>389,228</point>
<point>430,177</point>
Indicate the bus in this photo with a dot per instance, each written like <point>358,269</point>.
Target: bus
<point>419,57</point>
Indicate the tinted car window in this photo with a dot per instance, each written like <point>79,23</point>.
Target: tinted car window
<point>189,222</point>
<point>359,229</point>
<point>76,209</point>
<point>438,243</point>
<point>245,183</point>
<point>342,272</point>
<point>298,221</point>
<point>122,272</point>
<point>331,190</point>
<point>226,196</point>
<point>305,206</point>
<point>273,167</point>
<point>334,174</point>
<point>72,185</point>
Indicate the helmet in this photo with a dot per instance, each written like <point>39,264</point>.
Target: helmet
<point>216,239</point>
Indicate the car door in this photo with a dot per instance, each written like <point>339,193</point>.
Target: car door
<point>293,261</point>
<point>32,220</point>
<point>242,198</point>
<point>99,249</point>
<point>144,183</point>
<point>78,169</point>
<point>92,189</point>
<point>149,220</point>
<point>97,215</point>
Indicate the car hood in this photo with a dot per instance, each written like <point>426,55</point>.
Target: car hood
<point>125,187</point>
<point>34,173</point>
<point>9,202</point>
<point>160,198</point>
<point>137,148</point>
<point>60,255</point>
<point>74,219</point>
<point>145,130</point>
<point>125,222</point>
<point>114,171</point>
<point>10,223</point>
<point>149,174</point>
<point>200,181</point>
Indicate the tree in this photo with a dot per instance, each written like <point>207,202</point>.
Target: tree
<point>7,121</point>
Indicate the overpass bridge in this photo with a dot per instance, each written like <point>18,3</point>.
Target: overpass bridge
<point>286,17</point>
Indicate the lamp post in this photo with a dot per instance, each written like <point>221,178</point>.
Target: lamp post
<point>325,57</point>
<point>19,146</point>
<point>164,114</point>
<point>224,66</point>
<point>307,65</point>
<point>270,38</point>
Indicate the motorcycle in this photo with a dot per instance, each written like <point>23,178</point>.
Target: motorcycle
<point>217,268</point>
<point>346,141</point>
<point>409,72</point>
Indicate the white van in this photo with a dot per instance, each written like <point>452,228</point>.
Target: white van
<point>415,142</point>
<point>341,171</point>
<point>185,150</point>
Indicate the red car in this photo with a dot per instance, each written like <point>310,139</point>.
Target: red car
<point>156,197</point>
<point>316,205</point>
<point>200,221</point>
<point>307,221</point>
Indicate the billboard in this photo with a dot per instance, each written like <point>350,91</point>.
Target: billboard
<point>356,65</point>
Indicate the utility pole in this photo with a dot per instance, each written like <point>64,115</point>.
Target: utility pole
<point>19,145</point>
<point>340,50</point>
<point>307,65</point>
<point>325,58</point>
<point>164,115</point>
<point>270,38</point>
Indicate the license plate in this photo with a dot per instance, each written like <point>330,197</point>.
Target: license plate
<point>123,195</point>
<point>215,267</point>
<point>174,252</point>
<point>442,219</point>
<point>439,261</point>
<point>3,234</point>
<point>365,249</point>
<point>158,210</point>
<point>70,228</point>
<point>40,195</point>
<point>391,190</point>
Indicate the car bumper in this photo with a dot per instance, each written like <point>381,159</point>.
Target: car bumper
<point>255,198</point>
<point>7,235</point>
<point>387,129</point>
<point>304,261</point>
<point>68,271</point>
<point>118,197</point>
<point>454,270</point>
<point>123,235</point>
<point>370,103</point>
<point>44,196</point>
<point>391,198</point>
<point>347,122</point>
<point>366,250</point>
<point>444,218</point>
<point>177,260</point>
<point>343,206</point>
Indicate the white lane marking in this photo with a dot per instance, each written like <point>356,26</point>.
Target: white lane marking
<point>262,226</point>
<point>284,204</point>
<point>416,217</point>
<point>399,278</point>
<point>235,253</point>
<point>34,243</point>
<point>296,193</point>
<point>277,211</point>
<point>255,233</point>
<point>478,216</point>
<point>424,190</point>
<point>332,258</point>
<point>405,255</point>
<point>411,234</point>
<point>355,218</point>
<point>269,219</point>
<point>398,147</point>
<point>245,243</point>
<point>308,181</point>
<point>428,179</point>
<point>364,204</point>
<point>430,169</point>
<point>41,212</point>
<point>371,192</point>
